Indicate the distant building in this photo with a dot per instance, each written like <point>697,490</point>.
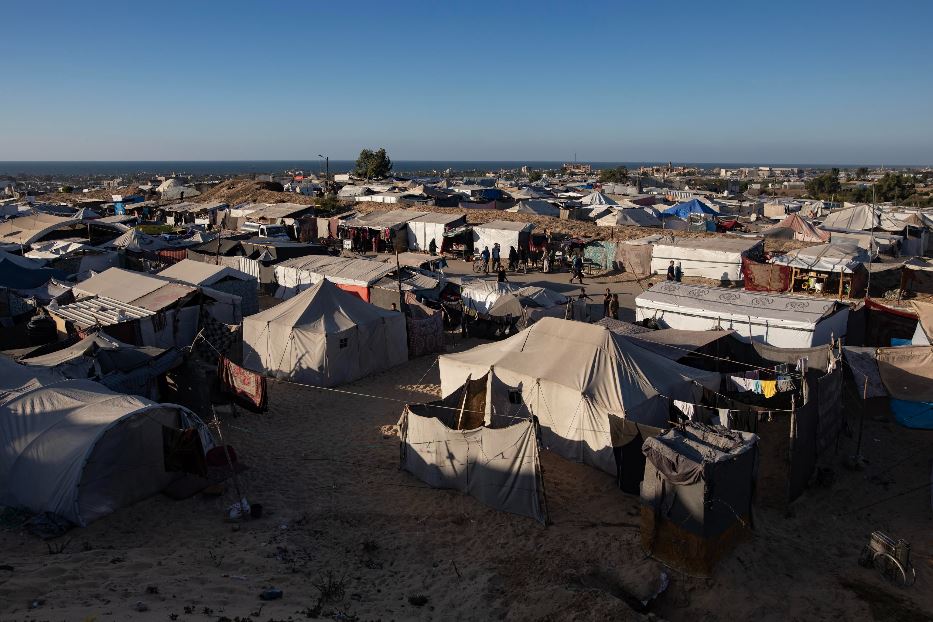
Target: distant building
<point>577,168</point>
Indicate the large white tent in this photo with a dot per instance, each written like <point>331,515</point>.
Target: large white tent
<point>536,207</point>
<point>503,232</point>
<point>324,336</point>
<point>429,227</point>
<point>77,449</point>
<point>776,319</point>
<point>629,217</point>
<point>581,381</point>
<point>711,258</point>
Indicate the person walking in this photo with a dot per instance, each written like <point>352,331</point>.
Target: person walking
<point>500,276</point>
<point>678,273</point>
<point>607,302</point>
<point>513,259</point>
<point>496,258</point>
<point>670,271</point>
<point>485,256</point>
<point>577,268</point>
<point>614,307</point>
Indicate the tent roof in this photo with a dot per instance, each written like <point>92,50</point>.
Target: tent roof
<point>693,206</point>
<point>383,220</point>
<point>862,218</point>
<point>323,308</point>
<point>506,225</point>
<point>824,258</point>
<point>535,207</point>
<point>795,226</point>
<point>201,273</point>
<point>804,309</point>
<point>629,217</point>
<point>720,243</point>
<point>441,219</point>
<point>341,269</point>
<point>597,198</point>
<point>134,288</point>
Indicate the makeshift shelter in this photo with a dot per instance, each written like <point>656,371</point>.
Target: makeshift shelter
<point>795,227</point>
<point>923,335</point>
<point>425,327</point>
<point>77,449</point>
<point>447,444</point>
<point>423,229</point>
<point>536,207</point>
<point>218,278</point>
<point>861,218</point>
<point>696,497</point>
<point>356,276</point>
<point>503,232</point>
<point>776,319</point>
<point>324,336</point>
<point>686,209</point>
<point>597,198</point>
<point>525,304</point>
<point>629,217</point>
<point>811,268</point>
<point>711,258</point>
<point>581,381</point>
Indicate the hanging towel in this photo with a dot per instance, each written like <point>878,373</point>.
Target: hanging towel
<point>723,417</point>
<point>768,388</point>
<point>742,383</point>
<point>784,384</point>
<point>686,408</point>
<point>247,387</point>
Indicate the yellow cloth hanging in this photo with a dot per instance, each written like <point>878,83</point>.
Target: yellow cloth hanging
<point>768,388</point>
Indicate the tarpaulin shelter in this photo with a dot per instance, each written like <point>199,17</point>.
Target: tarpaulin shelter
<point>696,496</point>
<point>923,335</point>
<point>711,258</point>
<point>21,273</point>
<point>776,319</point>
<point>324,336</point>
<point>423,229</point>
<point>219,278</point>
<point>503,232</point>
<point>685,209</point>
<point>536,207</point>
<point>795,227</point>
<point>629,217</point>
<point>824,258</point>
<point>77,449</point>
<point>447,444</point>
<point>597,198</point>
<point>766,277</point>
<point>581,381</point>
<point>352,275</point>
<point>862,218</point>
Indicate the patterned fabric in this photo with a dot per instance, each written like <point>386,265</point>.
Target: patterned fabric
<point>425,328</point>
<point>765,277</point>
<point>247,387</point>
<point>218,338</point>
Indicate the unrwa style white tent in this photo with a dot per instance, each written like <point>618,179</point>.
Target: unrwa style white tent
<point>504,232</point>
<point>77,449</point>
<point>324,336</point>
<point>536,207</point>
<point>580,380</point>
<point>597,198</point>
<point>711,258</point>
<point>776,319</point>
<point>862,218</point>
<point>629,217</point>
<point>429,227</point>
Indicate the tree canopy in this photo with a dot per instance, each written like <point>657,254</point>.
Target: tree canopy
<point>534,176</point>
<point>613,175</point>
<point>373,164</point>
<point>825,186</point>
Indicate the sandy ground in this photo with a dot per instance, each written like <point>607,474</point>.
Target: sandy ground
<point>341,521</point>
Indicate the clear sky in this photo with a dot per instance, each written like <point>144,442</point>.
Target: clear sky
<point>782,81</point>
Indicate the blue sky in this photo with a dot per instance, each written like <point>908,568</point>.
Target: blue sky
<point>808,82</point>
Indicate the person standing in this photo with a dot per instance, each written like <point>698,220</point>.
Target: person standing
<point>670,271</point>
<point>496,257</point>
<point>432,247</point>
<point>678,273</point>
<point>546,266</point>
<point>607,302</point>
<point>513,259</point>
<point>614,307</point>
<point>500,276</point>
<point>485,256</point>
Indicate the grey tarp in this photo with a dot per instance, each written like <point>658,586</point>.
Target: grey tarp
<point>499,467</point>
<point>865,373</point>
<point>831,420</point>
<point>677,344</point>
<point>634,258</point>
<point>77,449</point>
<point>907,372</point>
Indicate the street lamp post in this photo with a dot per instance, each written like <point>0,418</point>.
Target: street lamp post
<point>327,173</point>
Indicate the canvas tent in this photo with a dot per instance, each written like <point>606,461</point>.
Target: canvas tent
<point>711,258</point>
<point>581,381</point>
<point>795,227</point>
<point>776,319</point>
<point>536,207</point>
<point>862,218</point>
<point>324,336</point>
<point>503,232</point>
<point>77,449</point>
<point>629,217</point>
<point>597,198</point>
<point>423,229</point>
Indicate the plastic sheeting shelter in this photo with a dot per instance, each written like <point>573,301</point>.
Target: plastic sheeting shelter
<point>325,337</point>
<point>429,227</point>
<point>504,233</point>
<point>536,207</point>
<point>630,217</point>
<point>685,209</point>
<point>824,258</point>
<point>220,278</point>
<point>697,494</point>
<point>795,227</point>
<point>776,319</point>
<point>499,466</point>
<point>77,449</point>
<point>581,381</point>
<point>711,258</point>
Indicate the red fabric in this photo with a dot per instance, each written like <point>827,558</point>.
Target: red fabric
<point>172,256</point>
<point>877,306</point>
<point>765,277</point>
<point>360,291</point>
<point>248,387</point>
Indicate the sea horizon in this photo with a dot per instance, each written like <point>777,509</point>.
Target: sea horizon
<point>247,167</point>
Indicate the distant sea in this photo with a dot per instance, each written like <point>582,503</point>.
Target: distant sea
<point>245,167</point>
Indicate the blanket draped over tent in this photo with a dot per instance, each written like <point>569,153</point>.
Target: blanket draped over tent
<point>248,387</point>
<point>765,277</point>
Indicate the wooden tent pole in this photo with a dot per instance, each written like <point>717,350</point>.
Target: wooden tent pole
<point>466,391</point>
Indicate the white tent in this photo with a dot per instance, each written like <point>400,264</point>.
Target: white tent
<point>429,227</point>
<point>504,232</point>
<point>324,336</point>
<point>536,207</point>
<point>862,218</point>
<point>712,258</point>
<point>77,449</point>
<point>581,381</point>
<point>776,319</point>
<point>630,217</point>
<point>597,198</point>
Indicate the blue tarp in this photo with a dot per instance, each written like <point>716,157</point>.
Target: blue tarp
<point>683,210</point>
<point>913,414</point>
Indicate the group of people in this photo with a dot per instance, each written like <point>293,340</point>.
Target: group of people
<point>611,305</point>
<point>675,273</point>
<point>518,258</point>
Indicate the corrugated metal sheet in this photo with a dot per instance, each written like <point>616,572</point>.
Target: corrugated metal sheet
<point>100,310</point>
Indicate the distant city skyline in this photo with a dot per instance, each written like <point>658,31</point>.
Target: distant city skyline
<point>783,83</point>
